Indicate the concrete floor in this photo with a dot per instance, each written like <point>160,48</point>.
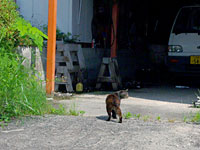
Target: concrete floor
<point>168,102</point>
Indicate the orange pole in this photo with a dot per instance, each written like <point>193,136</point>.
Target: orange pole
<point>114,31</point>
<point>51,46</point>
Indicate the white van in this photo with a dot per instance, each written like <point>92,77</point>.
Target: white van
<point>184,42</point>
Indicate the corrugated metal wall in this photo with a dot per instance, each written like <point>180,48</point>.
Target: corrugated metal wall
<point>73,16</point>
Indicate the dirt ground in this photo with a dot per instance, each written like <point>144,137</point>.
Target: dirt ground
<point>92,131</point>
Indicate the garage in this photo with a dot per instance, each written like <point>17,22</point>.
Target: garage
<point>142,38</point>
<point>143,33</point>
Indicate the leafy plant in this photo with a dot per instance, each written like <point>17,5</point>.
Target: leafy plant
<point>196,118</point>
<point>158,118</point>
<point>67,38</point>
<point>20,92</point>
<point>127,115</point>
<point>145,118</point>
<point>8,17</point>
<point>29,36</point>
<point>137,116</point>
<point>185,119</point>
<point>15,31</point>
<point>60,111</point>
<point>74,112</point>
<point>81,112</point>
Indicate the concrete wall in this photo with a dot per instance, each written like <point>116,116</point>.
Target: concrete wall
<point>73,16</point>
<point>93,58</point>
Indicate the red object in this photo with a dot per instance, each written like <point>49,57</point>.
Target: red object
<point>174,61</point>
<point>114,31</point>
<point>51,46</point>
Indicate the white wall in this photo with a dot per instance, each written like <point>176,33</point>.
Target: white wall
<point>70,17</point>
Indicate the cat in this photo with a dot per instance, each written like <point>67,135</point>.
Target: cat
<point>113,104</point>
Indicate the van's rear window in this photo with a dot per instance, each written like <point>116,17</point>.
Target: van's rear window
<point>188,21</point>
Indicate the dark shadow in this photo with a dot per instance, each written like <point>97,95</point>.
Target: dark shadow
<point>100,92</point>
<point>104,118</point>
<point>166,93</point>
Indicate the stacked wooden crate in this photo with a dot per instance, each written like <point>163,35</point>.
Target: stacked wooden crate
<point>69,61</point>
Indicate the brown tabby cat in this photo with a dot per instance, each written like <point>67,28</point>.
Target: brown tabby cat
<point>113,104</point>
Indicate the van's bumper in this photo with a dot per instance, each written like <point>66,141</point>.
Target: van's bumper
<point>181,64</point>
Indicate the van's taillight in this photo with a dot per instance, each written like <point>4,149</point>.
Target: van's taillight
<point>174,60</point>
<point>175,48</point>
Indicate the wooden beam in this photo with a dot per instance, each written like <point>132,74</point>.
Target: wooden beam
<point>114,30</point>
<point>51,46</point>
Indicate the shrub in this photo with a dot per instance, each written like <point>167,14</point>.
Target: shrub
<point>16,31</point>
<point>127,115</point>
<point>20,91</point>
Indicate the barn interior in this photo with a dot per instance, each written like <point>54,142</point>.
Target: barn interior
<point>142,37</point>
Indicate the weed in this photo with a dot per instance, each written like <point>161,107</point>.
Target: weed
<point>185,119</point>
<point>81,112</point>
<point>74,112</point>
<point>60,111</point>
<point>137,116</point>
<point>145,118</point>
<point>171,120</point>
<point>21,93</point>
<point>127,115</point>
<point>158,118</point>
<point>196,118</point>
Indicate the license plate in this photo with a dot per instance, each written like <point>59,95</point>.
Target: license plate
<point>194,59</point>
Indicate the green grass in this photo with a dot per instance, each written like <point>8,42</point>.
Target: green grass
<point>73,111</point>
<point>146,118</point>
<point>158,118</point>
<point>21,92</point>
<point>60,111</point>
<point>196,118</point>
<point>137,116</point>
<point>127,115</point>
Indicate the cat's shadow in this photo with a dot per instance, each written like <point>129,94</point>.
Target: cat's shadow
<point>104,118</point>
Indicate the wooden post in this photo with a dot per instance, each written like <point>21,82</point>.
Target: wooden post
<point>51,46</point>
<point>114,31</point>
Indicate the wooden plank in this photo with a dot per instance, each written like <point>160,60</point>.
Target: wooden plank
<point>74,56</point>
<point>111,68</point>
<point>70,62</point>
<point>106,60</point>
<point>106,79</point>
<point>75,69</point>
<point>98,85</point>
<point>61,69</point>
<point>81,58</point>
<point>102,70</point>
<point>60,47</point>
<point>115,86</point>
<point>62,59</point>
<point>117,73</point>
<point>71,47</point>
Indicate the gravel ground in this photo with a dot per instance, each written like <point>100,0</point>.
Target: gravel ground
<point>92,131</point>
<point>83,133</point>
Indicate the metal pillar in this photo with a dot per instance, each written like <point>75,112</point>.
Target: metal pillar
<point>51,46</point>
<point>114,30</point>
